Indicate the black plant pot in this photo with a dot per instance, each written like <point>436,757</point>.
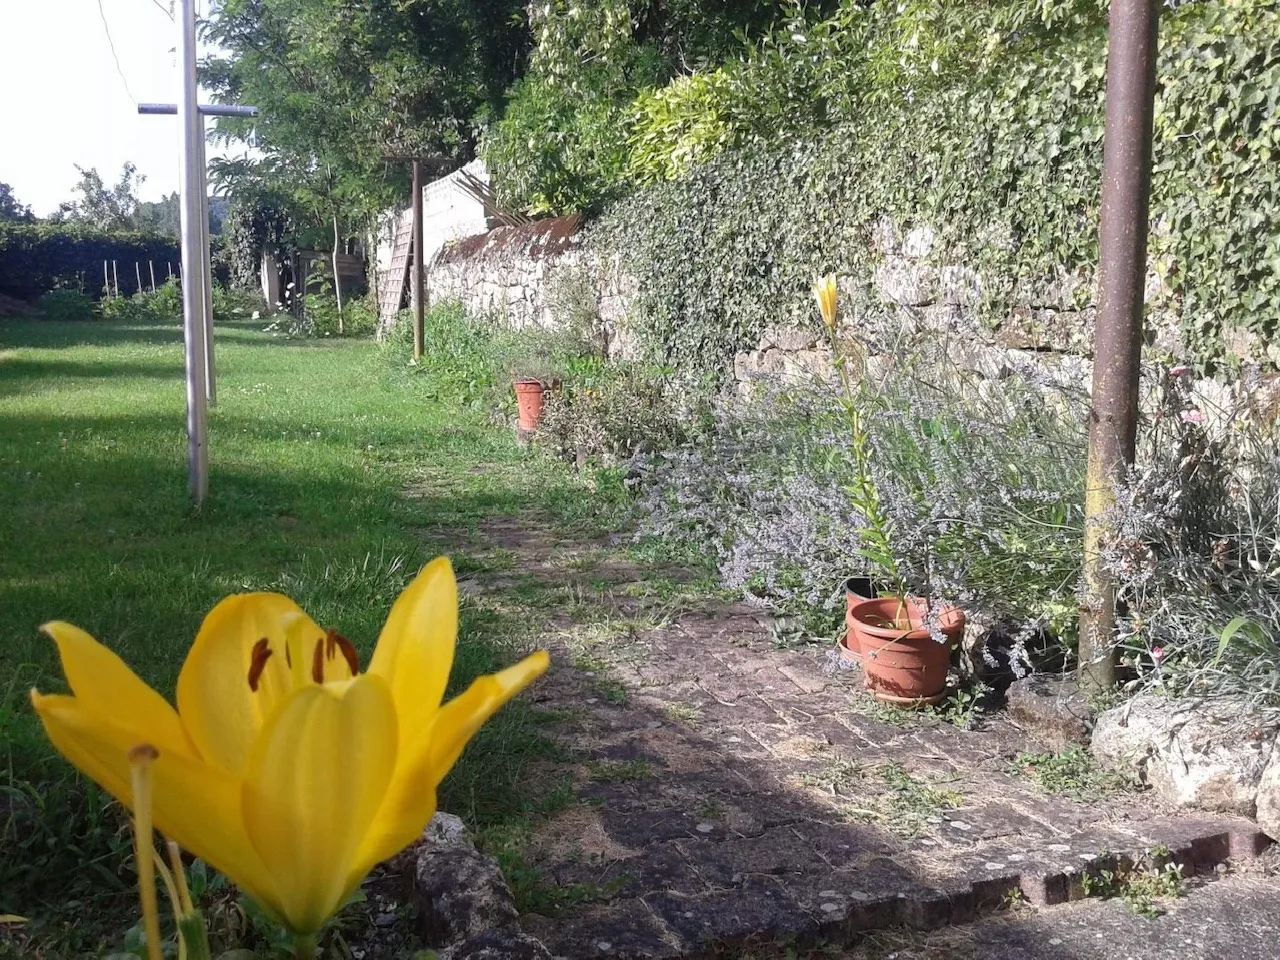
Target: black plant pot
<point>864,588</point>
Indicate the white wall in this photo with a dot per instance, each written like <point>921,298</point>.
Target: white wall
<point>448,213</point>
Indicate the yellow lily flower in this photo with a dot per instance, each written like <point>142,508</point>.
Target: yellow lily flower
<point>283,766</point>
<point>824,291</point>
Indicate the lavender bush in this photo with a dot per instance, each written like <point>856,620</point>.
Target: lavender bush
<point>1196,545</point>
<point>982,482</point>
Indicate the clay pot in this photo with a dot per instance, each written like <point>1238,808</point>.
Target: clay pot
<point>529,398</point>
<point>903,664</point>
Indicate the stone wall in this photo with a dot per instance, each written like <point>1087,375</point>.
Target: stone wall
<point>532,275</point>
<point>515,271</point>
<point>1050,327</point>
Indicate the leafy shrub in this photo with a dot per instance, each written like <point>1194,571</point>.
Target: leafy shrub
<point>561,144</point>
<point>359,316</point>
<point>232,303</point>
<point>65,305</point>
<point>474,359</point>
<point>614,415</point>
<point>164,305</point>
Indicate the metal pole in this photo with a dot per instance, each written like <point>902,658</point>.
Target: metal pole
<point>106,280</point>
<point>210,381</point>
<point>152,267</point>
<point>192,255</point>
<point>137,274</point>
<point>1126,193</point>
<point>419,334</point>
<point>115,276</point>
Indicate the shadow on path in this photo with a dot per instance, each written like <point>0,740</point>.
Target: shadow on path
<point>732,795</point>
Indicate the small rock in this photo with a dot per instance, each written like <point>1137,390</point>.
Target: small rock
<point>993,866</point>
<point>829,907</point>
<point>705,827</point>
<point>604,946</point>
<point>1268,803</point>
<point>960,825</point>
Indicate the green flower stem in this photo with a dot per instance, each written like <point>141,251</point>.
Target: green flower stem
<point>195,936</point>
<point>305,947</point>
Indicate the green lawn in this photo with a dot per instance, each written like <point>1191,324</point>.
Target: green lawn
<point>334,475</point>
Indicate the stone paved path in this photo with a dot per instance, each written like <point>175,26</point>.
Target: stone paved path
<point>1234,918</point>
<point>730,790</point>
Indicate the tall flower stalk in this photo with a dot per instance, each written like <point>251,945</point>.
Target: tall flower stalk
<point>875,537</point>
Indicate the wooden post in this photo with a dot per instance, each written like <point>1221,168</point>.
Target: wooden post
<point>419,332</point>
<point>152,267</point>
<point>106,280</point>
<point>115,275</point>
<point>137,275</point>
<point>169,264</point>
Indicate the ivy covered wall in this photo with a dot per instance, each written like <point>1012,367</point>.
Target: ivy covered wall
<point>1001,175</point>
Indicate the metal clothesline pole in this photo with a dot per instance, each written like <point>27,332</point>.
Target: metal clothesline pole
<point>194,268</point>
<point>192,230</point>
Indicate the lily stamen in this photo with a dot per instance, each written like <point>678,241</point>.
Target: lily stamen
<point>317,662</point>
<point>258,662</point>
<point>336,641</point>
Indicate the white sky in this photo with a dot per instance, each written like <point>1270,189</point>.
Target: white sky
<point>62,101</point>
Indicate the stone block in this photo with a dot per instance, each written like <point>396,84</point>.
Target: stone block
<point>1050,709</point>
<point>1194,754</point>
<point>918,242</point>
<point>1268,802</point>
<point>960,286</point>
<point>907,283</point>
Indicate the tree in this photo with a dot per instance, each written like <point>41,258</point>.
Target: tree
<point>11,211</point>
<point>342,86</point>
<point>102,207</point>
<point>163,216</point>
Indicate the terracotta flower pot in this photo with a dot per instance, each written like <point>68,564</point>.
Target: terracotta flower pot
<point>529,398</point>
<point>903,663</point>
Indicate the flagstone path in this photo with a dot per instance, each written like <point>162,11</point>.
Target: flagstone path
<point>730,790</point>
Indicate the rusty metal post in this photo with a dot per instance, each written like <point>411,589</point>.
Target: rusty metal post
<point>1122,274</point>
<point>419,333</point>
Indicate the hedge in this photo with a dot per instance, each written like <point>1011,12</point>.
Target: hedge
<point>39,257</point>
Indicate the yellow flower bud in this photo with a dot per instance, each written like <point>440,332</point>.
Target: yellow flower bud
<point>824,291</point>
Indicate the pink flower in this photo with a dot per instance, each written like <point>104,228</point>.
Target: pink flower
<point>1191,416</point>
<point>1179,370</point>
<point>1157,654</point>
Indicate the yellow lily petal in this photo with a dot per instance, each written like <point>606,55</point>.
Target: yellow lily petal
<point>102,683</point>
<point>195,804</point>
<point>415,649</point>
<point>431,754</point>
<point>313,783</point>
<point>219,709</point>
